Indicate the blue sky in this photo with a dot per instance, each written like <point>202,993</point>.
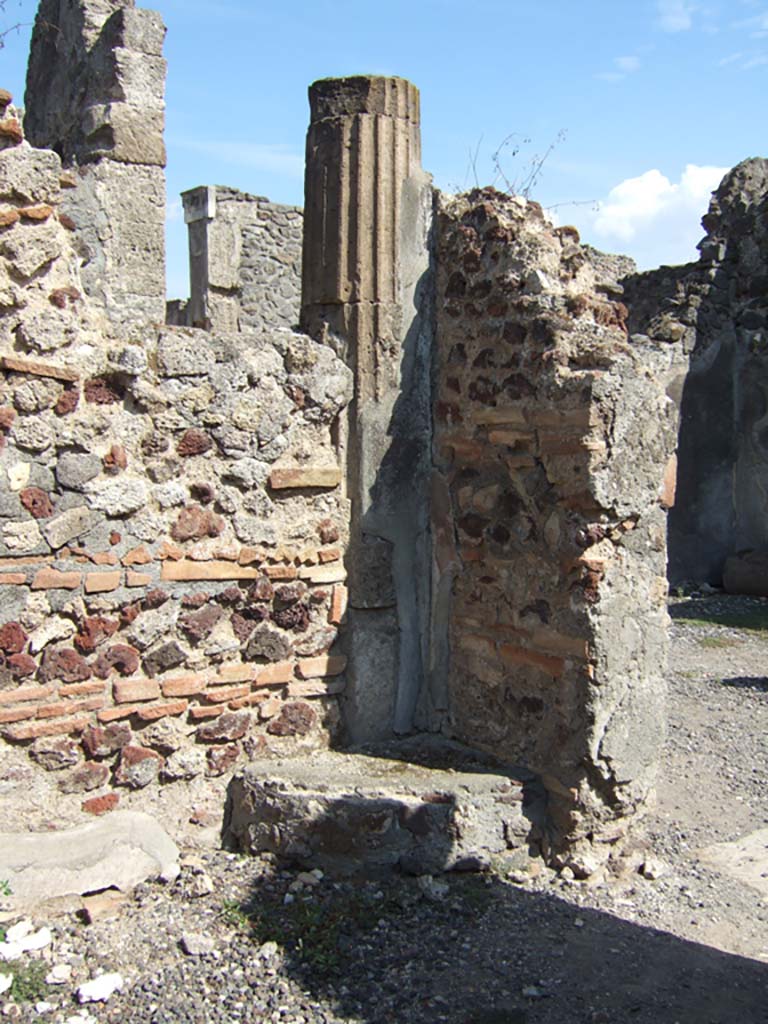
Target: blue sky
<point>656,99</point>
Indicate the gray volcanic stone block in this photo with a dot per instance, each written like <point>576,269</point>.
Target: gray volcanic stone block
<point>349,813</point>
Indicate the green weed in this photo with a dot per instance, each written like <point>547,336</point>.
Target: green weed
<point>28,985</point>
<point>754,620</point>
<point>716,642</point>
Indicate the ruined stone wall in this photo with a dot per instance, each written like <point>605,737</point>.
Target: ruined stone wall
<point>245,260</point>
<point>95,95</point>
<point>171,523</point>
<point>714,314</point>
<point>551,437</point>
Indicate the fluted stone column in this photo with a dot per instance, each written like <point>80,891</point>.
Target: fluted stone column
<point>366,290</point>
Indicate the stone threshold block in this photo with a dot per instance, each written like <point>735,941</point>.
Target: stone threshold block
<point>351,813</point>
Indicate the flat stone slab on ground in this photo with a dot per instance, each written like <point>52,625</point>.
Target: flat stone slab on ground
<point>349,812</point>
<point>744,859</point>
<point>118,852</point>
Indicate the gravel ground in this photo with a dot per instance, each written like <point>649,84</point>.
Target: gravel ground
<point>689,944</point>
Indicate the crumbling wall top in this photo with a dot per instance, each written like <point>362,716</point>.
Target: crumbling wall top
<point>95,81</point>
<point>364,94</point>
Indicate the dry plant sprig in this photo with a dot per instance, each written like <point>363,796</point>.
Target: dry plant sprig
<point>526,180</point>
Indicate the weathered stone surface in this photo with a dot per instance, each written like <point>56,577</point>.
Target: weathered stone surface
<point>268,644</point>
<point>711,316</point>
<point>229,726</point>
<point>22,538</point>
<point>371,813</point>
<point>55,754</point>
<point>138,767</point>
<point>295,719</point>
<point>64,664</point>
<point>106,741</point>
<point>73,470</point>
<point>69,526</point>
<point>84,779</point>
<point>118,497</point>
<point>185,764</point>
<point>119,852</point>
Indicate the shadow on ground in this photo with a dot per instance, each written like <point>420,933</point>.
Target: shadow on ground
<point>735,611</point>
<point>473,949</point>
<point>757,683</point>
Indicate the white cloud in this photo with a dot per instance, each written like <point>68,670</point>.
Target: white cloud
<point>651,218</point>
<point>624,66</point>
<point>756,26</point>
<point>743,61</point>
<point>627,64</point>
<point>675,15</point>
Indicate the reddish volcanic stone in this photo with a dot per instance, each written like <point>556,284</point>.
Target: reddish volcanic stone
<point>328,531</point>
<point>194,442</point>
<point>115,459</point>
<point>195,523</point>
<point>22,665</point>
<point>64,664</point>
<point>99,805</point>
<point>138,767</point>
<point>230,726</point>
<point>103,742</point>
<point>199,624</point>
<point>101,391</point>
<point>121,657</point>
<point>94,630</point>
<point>294,720</point>
<point>13,639</point>
<point>68,401</point>
<point>87,777</point>
<point>222,759</point>
<point>36,502</point>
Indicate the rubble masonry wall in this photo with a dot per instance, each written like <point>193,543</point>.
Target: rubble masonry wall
<point>171,522</point>
<point>551,437</point>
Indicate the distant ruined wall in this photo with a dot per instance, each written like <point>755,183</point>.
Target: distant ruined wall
<point>95,95</point>
<point>713,315</point>
<point>245,260</point>
<point>551,437</point>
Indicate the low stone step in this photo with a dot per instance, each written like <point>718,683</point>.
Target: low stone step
<point>354,812</point>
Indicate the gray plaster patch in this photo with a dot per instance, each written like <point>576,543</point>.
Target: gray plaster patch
<point>119,851</point>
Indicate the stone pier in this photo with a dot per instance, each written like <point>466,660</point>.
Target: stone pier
<point>365,291</point>
<point>95,95</point>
